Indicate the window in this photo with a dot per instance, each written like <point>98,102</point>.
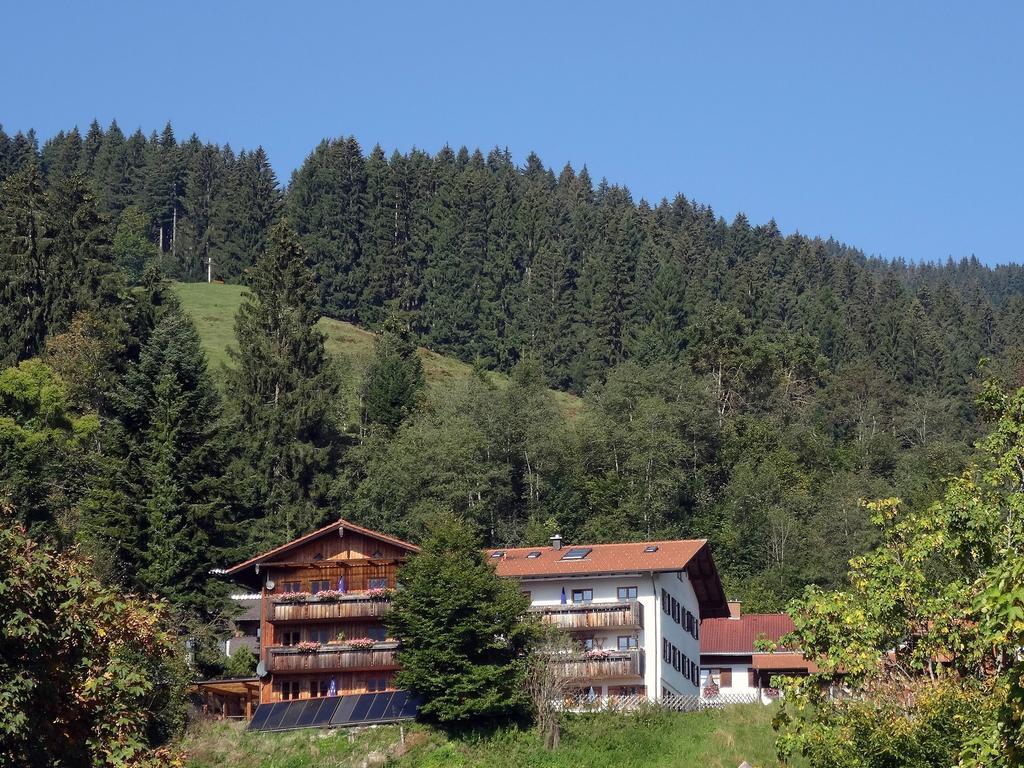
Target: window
<point>675,610</point>
<point>376,632</point>
<point>650,548</point>
<point>665,653</point>
<point>588,643</point>
<point>319,688</point>
<point>533,555</point>
<point>291,638</point>
<point>626,593</point>
<point>289,690</point>
<point>319,586</point>
<point>377,684</point>
<point>378,583</point>
<point>582,595</point>
<point>626,642</point>
<point>676,659</point>
<point>727,678</point>
<point>497,553</point>
<point>577,553</point>
<point>626,690</point>
<point>321,635</point>
<point>292,586</point>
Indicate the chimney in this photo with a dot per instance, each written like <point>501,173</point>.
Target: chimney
<point>734,609</point>
<point>556,542</point>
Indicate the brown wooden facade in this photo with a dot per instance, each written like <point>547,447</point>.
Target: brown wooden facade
<point>309,641</point>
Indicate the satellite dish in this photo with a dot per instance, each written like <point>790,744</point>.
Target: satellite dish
<point>261,670</point>
<point>270,584</point>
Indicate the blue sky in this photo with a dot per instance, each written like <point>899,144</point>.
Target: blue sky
<point>896,127</point>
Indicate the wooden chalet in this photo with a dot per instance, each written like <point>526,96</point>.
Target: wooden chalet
<point>322,606</point>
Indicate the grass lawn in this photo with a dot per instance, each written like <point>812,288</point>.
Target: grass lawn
<point>212,307</point>
<point>712,739</point>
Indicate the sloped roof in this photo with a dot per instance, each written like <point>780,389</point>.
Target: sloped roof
<point>234,570</point>
<point>691,555</point>
<point>603,558</point>
<point>738,636</point>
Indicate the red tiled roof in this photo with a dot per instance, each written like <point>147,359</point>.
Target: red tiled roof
<point>235,569</point>
<point>785,661</point>
<point>738,636</point>
<point>603,558</point>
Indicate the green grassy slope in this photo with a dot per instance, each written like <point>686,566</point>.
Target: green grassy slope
<point>213,307</point>
<point>712,739</point>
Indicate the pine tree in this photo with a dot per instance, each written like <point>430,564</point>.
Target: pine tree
<point>464,643</point>
<point>394,381</point>
<point>24,253</point>
<point>284,392</point>
<point>326,203</point>
<point>170,410</point>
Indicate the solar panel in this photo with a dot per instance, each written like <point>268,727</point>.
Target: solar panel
<point>291,715</point>
<point>378,705</point>
<point>275,715</point>
<point>326,712</point>
<point>331,711</point>
<point>343,714</point>
<point>259,717</point>
<point>394,709</point>
<point>362,708</point>
<point>309,713</point>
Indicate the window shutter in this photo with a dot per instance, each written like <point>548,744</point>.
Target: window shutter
<point>727,677</point>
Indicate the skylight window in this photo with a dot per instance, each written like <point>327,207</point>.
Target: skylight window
<point>650,548</point>
<point>498,553</point>
<point>533,555</point>
<point>577,553</point>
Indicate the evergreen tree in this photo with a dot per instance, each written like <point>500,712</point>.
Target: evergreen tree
<point>284,394</point>
<point>327,202</point>
<point>394,381</point>
<point>464,640</point>
<point>24,255</point>
<point>170,412</point>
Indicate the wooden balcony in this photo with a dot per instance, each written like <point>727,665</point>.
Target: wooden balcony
<point>576,617</point>
<point>333,658</point>
<point>614,664</point>
<point>348,607</point>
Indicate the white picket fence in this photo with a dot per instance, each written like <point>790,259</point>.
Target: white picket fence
<point>586,703</point>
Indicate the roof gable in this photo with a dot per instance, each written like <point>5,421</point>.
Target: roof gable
<point>278,553</point>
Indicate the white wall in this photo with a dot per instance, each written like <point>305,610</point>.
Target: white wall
<point>682,591</point>
<point>548,592</point>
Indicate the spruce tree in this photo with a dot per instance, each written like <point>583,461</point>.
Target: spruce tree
<point>283,392</point>
<point>394,381</point>
<point>24,253</point>
<point>170,411</point>
<point>464,640</point>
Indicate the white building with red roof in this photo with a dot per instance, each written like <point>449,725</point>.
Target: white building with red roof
<point>733,666</point>
<point>634,608</point>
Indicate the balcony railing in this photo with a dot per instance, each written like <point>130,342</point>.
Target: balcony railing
<point>585,616</point>
<point>333,658</point>
<point>612,664</point>
<point>348,607</point>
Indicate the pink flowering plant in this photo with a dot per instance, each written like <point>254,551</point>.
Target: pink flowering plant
<point>361,643</point>
<point>380,593</point>
<point>308,647</point>
<point>329,594</point>
<point>597,653</point>
<point>293,597</point>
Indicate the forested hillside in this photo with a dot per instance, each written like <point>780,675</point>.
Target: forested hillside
<point>737,384</point>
